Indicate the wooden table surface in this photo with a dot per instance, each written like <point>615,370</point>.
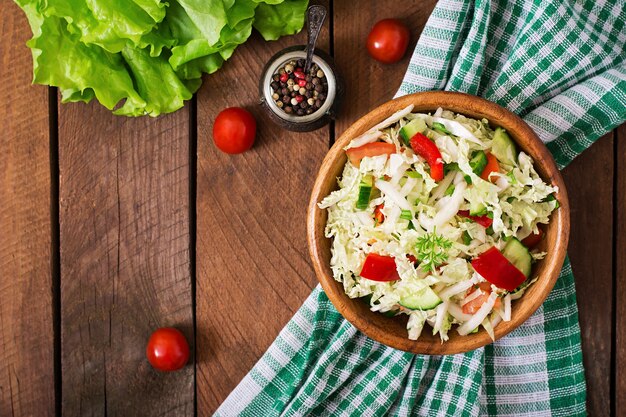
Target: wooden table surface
<point>111,227</point>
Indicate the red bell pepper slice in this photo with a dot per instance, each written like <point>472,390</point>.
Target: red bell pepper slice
<point>484,221</point>
<point>495,268</point>
<point>492,166</point>
<point>369,149</point>
<point>380,268</point>
<point>533,239</point>
<point>427,149</point>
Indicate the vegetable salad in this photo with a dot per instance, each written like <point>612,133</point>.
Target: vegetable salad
<point>437,217</point>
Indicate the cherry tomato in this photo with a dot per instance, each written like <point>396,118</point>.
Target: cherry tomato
<point>167,349</point>
<point>378,214</point>
<point>387,41</point>
<point>369,149</point>
<point>533,239</point>
<point>492,166</point>
<point>473,306</point>
<point>234,130</point>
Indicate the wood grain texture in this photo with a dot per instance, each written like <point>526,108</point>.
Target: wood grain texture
<point>590,251</point>
<point>392,331</point>
<point>253,268</point>
<point>620,274</point>
<point>368,82</point>
<point>124,223</point>
<point>26,330</point>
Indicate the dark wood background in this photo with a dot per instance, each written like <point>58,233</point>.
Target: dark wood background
<point>111,227</point>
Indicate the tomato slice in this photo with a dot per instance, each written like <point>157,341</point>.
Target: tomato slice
<point>495,268</point>
<point>492,166</point>
<point>533,239</point>
<point>369,149</point>
<point>380,268</point>
<point>484,221</point>
<point>473,306</point>
<point>427,149</point>
<point>378,214</point>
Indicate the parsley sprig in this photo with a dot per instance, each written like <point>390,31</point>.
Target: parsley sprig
<point>432,250</point>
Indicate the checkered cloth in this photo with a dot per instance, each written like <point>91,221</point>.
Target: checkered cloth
<point>561,66</point>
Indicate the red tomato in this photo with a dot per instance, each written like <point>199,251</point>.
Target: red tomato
<point>380,268</point>
<point>234,130</point>
<point>369,149</point>
<point>387,41</point>
<point>492,166</point>
<point>533,239</point>
<point>495,268</point>
<point>167,349</point>
<point>484,221</point>
<point>473,306</point>
<point>378,214</point>
<point>427,149</point>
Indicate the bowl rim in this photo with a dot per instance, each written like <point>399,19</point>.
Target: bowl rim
<point>474,107</point>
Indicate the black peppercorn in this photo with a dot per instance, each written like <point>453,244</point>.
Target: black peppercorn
<point>300,112</point>
<point>315,81</point>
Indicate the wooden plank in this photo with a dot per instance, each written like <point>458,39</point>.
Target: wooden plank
<point>253,267</point>
<point>590,250</point>
<point>26,329</point>
<point>368,82</point>
<point>124,224</point>
<point>620,274</point>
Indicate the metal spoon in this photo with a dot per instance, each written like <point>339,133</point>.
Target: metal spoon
<point>315,19</point>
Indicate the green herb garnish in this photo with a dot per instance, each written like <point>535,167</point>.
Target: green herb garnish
<point>432,250</point>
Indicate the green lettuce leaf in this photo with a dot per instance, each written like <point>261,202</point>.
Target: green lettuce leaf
<point>280,18</point>
<point>144,57</point>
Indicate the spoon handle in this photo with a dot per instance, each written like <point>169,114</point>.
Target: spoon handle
<point>315,19</point>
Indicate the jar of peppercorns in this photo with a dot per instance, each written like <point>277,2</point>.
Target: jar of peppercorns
<point>298,98</point>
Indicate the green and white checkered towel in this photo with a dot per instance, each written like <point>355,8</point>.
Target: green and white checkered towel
<point>561,66</point>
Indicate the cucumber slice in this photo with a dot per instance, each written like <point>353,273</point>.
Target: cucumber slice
<point>477,209</point>
<point>410,129</point>
<point>425,299</point>
<point>441,128</point>
<point>478,162</point>
<point>503,147</point>
<point>518,255</point>
<point>365,192</point>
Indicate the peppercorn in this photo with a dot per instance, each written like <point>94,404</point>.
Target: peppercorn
<point>309,111</point>
<point>320,74</point>
<point>288,68</point>
<point>288,109</point>
<point>279,103</point>
<point>300,112</point>
<point>315,81</point>
<point>319,88</point>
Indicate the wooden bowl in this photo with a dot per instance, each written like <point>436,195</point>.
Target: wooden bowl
<point>392,331</point>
